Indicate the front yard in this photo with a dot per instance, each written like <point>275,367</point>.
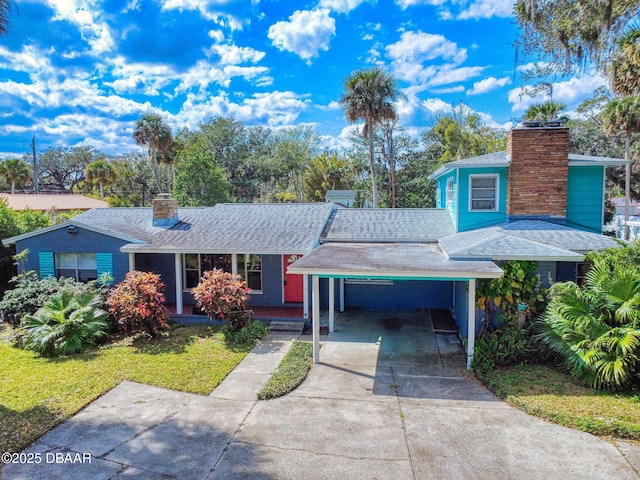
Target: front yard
<point>39,393</point>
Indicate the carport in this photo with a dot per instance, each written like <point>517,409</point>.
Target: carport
<point>388,261</point>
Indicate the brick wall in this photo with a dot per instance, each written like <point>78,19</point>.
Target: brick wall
<point>165,211</point>
<point>537,179</point>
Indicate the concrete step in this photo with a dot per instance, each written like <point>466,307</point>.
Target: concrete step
<point>278,326</point>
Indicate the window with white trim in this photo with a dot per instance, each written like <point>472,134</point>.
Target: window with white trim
<point>82,267</point>
<point>250,268</point>
<point>483,193</point>
<point>195,264</point>
<point>450,191</point>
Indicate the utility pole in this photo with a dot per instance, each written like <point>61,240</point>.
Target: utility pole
<point>35,166</point>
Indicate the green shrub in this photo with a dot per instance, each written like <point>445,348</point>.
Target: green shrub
<point>290,373</point>
<point>137,304</point>
<point>252,331</point>
<point>499,348</point>
<point>31,293</point>
<point>67,323</point>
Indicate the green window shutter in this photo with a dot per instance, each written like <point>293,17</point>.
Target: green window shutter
<point>46,265</point>
<point>104,264</point>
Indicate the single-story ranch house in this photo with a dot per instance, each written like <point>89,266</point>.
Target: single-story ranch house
<point>534,201</point>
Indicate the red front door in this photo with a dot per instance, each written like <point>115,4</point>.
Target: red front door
<point>293,284</point>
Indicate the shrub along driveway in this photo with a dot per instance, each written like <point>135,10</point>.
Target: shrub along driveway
<point>389,400</point>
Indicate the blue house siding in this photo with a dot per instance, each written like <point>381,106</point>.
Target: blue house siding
<point>585,198</point>
<point>468,220</point>
<point>441,196</point>
<point>402,295</point>
<point>164,265</point>
<point>84,241</point>
<point>271,282</point>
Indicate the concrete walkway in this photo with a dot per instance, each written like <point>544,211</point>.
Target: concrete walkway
<point>389,401</point>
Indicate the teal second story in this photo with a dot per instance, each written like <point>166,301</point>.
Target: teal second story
<point>535,178</point>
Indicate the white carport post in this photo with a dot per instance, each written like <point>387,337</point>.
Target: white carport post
<point>471,325</point>
<point>178,262</point>
<point>315,321</point>
<point>342,294</point>
<point>332,301</point>
<point>132,261</point>
<point>305,295</point>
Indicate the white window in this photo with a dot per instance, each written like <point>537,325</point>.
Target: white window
<point>483,193</point>
<point>195,264</point>
<point>250,268</point>
<point>450,191</point>
<point>82,267</point>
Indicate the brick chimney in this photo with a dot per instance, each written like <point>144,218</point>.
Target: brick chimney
<point>165,211</point>
<point>537,179</point>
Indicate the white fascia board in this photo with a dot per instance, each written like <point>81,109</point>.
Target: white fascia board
<point>66,224</point>
<point>382,274</point>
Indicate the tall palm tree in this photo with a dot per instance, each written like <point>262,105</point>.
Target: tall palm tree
<point>152,131</point>
<point>5,8</point>
<point>623,115</point>
<point>544,112</point>
<point>16,171</point>
<point>369,96</point>
<point>624,70</point>
<point>99,171</point>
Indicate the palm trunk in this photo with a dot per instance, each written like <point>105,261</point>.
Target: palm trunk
<point>13,187</point>
<point>154,158</point>
<point>374,189</point>
<point>627,186</point>
<point>101,190</point>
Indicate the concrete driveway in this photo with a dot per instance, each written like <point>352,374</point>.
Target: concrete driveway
<point>390,400</point>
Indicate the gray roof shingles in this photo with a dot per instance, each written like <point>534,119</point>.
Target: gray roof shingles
<point>389,225</point>
<point>225,228</point>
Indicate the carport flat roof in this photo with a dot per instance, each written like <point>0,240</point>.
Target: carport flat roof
<point>390,261</point>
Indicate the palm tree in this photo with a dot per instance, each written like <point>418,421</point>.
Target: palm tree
<point>5,8</point>
<point>99,171</point>
<point>545,112</point>
<point>16,171</point>
<point>152,132</point>
<point>624,70</point>
<point>623,115</point>
<point>368,96</point>
<point>596,329</point>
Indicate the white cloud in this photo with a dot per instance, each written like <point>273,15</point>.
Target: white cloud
<point>487,9</point>
<point>234,55</point>
<point>306,33</point>
<point>85,14</point>
<point>442,91</point>
<point>404,4</point>
<point>570,92</point>
<point>341,6</point>
<point>418,47</point>
<point>435,106</point>
<point>207,10</point>
<point>488,84</point>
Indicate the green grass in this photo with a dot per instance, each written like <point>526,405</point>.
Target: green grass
<point>38,393</point>
<point>552,395</point>
<point>290,373</point>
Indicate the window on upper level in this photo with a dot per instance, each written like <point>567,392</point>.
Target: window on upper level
<point>483,193</point>
<point>450,191</point>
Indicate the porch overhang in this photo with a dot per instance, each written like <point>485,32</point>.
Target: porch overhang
<point>397,261</point>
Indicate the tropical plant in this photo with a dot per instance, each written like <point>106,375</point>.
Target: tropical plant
<point>221,295</point>
<point>545,112</point>
<point>518,287</point>
<point>5,9</point>
<point>152,131</point>
<point>596,329</point>
<point>16,171</point>
<point>137,303</point>
<point>369,96</point>
<point>100,171</point>
<point>624,70</point>
<point>65,324</point>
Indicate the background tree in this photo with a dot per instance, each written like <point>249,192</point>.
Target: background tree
<point>545,112</point>
<point>327,171</point>
<point>61,169</point>
<point>100,171</point>
<point>152,132</point>
<point>395,146</point>
<point>623,115</point>
<point>624,70</point>
<point>5,9</point>
<point>293,150</point>
<point>15,171</point>
<point>134,181</point>
<point>200,180</point>
<point>572,34</point>
<point>369,96</point>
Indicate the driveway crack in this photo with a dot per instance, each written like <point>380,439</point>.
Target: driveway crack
<point>395,386</point>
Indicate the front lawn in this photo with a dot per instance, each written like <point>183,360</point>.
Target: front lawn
<point>38,393</point>
<point>550,394</point>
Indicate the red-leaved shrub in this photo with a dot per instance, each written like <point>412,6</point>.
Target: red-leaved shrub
<point>137,303</point>
<point>220,293</point>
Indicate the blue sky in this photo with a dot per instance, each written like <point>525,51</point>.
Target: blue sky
<point>80,72</point>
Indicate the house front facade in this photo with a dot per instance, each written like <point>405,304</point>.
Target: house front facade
<point>536,201</point>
